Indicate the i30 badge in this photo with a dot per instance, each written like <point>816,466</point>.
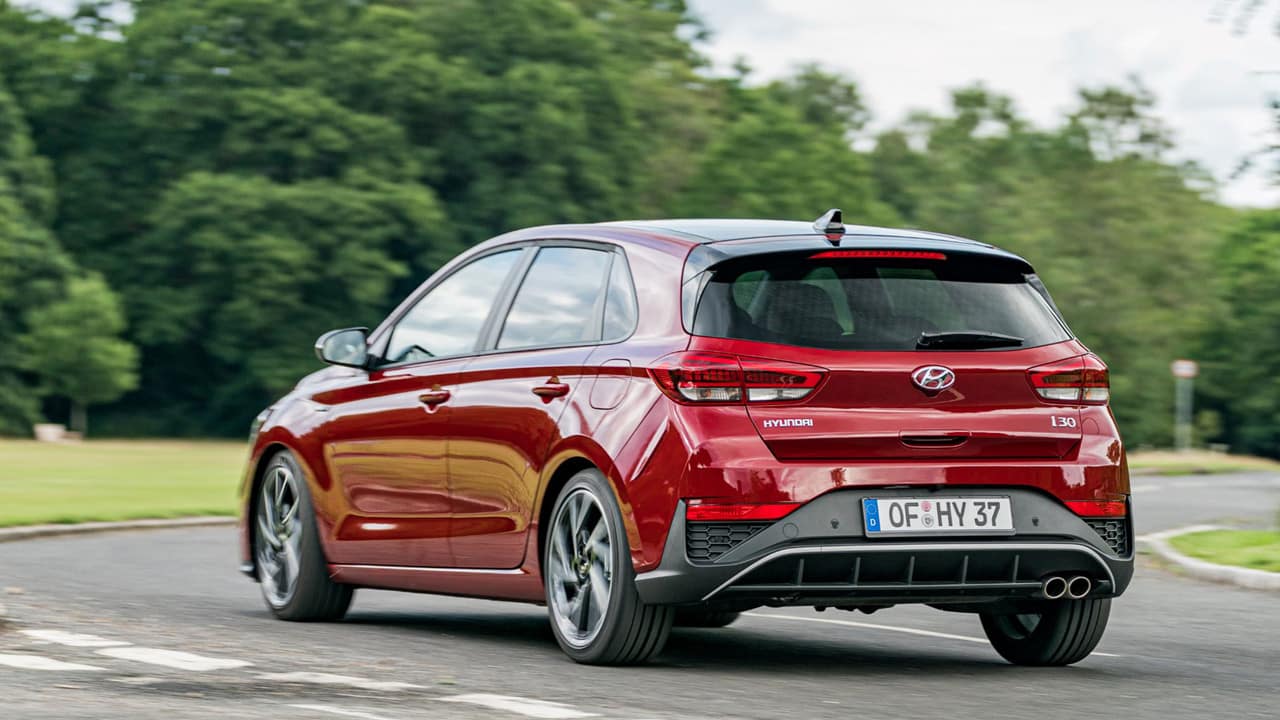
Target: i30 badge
<point>933,378</point>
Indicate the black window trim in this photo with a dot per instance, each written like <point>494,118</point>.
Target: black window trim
<point>492,326</point>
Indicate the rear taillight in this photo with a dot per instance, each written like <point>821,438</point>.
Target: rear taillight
<point>1080,380</point>
<point>1098,508</point>
<point>719,378</point>
<point>700,511</point>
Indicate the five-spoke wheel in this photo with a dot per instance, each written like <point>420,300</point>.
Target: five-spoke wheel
<point>291,567</point>
<point>596,614</point>
<point>581,567</point>
<point>279,535</point>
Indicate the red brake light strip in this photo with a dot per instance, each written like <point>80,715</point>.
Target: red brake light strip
<point>878,254</point>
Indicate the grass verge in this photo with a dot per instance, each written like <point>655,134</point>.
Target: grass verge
<point>116,480</point>
<point>1196,462</point>
<point>1253,549</point>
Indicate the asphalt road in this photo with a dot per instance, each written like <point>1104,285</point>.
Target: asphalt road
<point>159,624</point>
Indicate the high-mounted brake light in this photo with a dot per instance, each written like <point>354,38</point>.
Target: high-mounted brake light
<point>698,511</point>
<point>878,254</point>
<point>1097,508</point>
<point>1080,380</point>
<point>705,377</point>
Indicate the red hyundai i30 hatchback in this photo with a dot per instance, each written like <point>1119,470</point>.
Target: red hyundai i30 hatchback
<point>673,421</point>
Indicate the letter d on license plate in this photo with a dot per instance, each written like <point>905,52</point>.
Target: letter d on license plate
<point>932,516</point>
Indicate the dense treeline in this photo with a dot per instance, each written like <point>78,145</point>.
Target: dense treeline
<point>187,200</point>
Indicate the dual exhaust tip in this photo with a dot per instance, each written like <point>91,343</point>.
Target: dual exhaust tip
<point>1059,586</point>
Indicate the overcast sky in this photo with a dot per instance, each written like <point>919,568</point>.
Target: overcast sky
<point>907,54</point>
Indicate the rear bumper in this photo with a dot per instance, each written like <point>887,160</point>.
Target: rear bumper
<point>819,555</point>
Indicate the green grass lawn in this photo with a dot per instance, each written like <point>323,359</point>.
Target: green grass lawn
<point>1195,462</point>
<point>117,480</point>
<point>1256,549</point>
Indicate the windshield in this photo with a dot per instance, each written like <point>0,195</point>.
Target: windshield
<point>960,303</point>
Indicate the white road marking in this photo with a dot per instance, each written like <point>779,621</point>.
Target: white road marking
<point>340,711</point>
<point>71,639</point>
<point>522,706</point>
<point>37,662</point>
<point>890,628</point>
<point>173,658</point>
<point>316,678</point>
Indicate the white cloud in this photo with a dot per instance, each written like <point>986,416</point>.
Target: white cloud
<point>908,55</point>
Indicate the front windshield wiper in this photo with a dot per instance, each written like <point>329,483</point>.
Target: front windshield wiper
<point>965,340</point>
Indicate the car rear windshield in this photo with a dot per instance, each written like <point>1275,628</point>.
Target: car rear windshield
<point>960,303</point>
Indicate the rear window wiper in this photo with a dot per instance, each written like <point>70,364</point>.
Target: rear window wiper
<point>965,340</point>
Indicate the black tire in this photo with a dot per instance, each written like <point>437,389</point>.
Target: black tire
<point>630,631</point>
<point>314,595</point>
<point>1066,632</point>
<point>695,617</point>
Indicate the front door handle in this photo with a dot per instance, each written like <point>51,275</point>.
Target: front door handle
<point>434,397</point>
<point>552,388</point>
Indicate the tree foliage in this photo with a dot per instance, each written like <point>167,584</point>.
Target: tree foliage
<point>73,346</point>
<point>245,174</point>
<point>33,269</point>
<point>1242,349</point>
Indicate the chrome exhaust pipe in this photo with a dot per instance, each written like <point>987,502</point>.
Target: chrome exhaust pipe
<point>1054,587</point>
<point>1079,587</point>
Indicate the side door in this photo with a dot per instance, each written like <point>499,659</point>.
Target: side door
<point>386,442</point>
<point>512,401</point>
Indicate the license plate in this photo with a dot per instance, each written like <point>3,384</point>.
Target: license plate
<point>921,516</point>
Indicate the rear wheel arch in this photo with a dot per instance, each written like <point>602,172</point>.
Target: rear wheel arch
<point>565,468</point>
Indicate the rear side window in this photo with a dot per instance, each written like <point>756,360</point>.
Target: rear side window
<point>620,302</point>
<point>876,304</point>
<point>557,302</point>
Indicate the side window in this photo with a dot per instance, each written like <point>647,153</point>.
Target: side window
<point>556,303</point>
<point>620,302</point>
<point>448,319</point>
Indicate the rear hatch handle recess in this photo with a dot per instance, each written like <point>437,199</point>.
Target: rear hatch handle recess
<point>933,440</point>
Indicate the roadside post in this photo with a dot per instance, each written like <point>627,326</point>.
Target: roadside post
<point>1184,372</point>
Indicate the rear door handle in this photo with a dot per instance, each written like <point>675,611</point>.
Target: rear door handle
<point>434,397</point>
<point>552,388</point>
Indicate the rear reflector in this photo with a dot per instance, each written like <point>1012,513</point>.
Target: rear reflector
<point>703,377</point>
<point>878,254</point>
<point>699,511</point>
<point>1097,508</point>
<point>1080,380</point>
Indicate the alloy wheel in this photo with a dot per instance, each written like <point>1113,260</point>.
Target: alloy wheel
<point>580,567</point>
<point>279,535</point>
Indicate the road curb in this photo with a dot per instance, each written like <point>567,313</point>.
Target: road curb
<point>30,532</point>
<point>1203,570</point>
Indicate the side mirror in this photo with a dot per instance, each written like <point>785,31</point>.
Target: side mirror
<point>349,347</point>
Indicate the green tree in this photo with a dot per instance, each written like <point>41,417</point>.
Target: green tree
<point>787,154</point>
<point>1242,349</point>
<point>73,346</point>
<point>33,269</point>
